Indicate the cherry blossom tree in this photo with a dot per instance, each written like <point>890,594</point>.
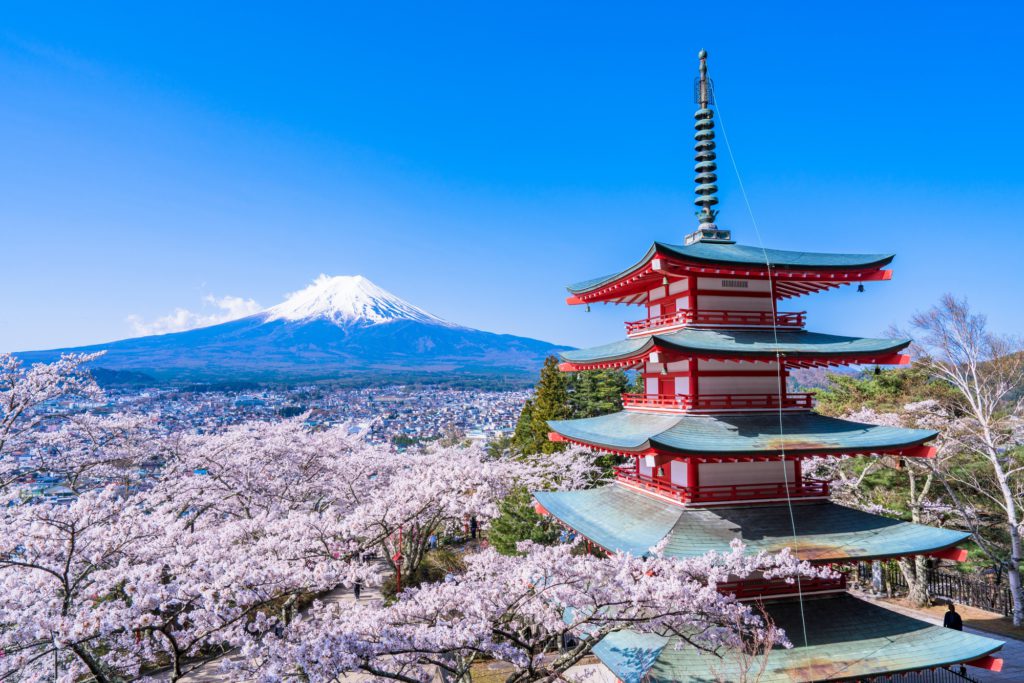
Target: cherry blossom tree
<point>523,611</point>
<point>24,395</point>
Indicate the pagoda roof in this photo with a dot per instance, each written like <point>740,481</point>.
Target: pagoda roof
<point>619,518</point>
<point>733,434</point>
<point>740,255</point>
<point>764,344</point>
<point>847,639</point>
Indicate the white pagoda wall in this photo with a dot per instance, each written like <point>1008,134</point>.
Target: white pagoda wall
<point>722,473</point>
<point>678,472</point>
<point>734,301</point>
<point>738,384</point>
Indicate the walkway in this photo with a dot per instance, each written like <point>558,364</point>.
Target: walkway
<point>1012,652</point>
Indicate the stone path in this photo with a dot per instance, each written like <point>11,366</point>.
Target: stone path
<point>1012,653</point>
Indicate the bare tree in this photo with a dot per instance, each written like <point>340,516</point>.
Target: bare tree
<point>987,423</point>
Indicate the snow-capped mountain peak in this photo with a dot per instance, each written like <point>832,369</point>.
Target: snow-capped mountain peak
<point>346,299</point>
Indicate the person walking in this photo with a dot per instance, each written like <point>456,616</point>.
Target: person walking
<point>472,528</point>
<point>952,619</point>
<point>357,588</point>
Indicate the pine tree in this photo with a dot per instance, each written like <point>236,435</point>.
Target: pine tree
<point>524,439</point>
<point>518,521</point>
<point>562,396</point>
<point>550,402</point>
<point>597,392</point>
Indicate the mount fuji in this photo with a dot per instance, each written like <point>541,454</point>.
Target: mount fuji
<point>338,328</point>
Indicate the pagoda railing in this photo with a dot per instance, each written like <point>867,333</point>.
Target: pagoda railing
<point>723,493</point>
<point>758,588</point>
<point>718,402</point>
<point>715,318</point>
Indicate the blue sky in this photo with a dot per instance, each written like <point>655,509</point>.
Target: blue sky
<point>474,158</point>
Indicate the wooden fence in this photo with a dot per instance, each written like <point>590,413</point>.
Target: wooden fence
<point>959,588</point>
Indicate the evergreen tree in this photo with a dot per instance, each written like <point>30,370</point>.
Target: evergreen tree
<point>597,392</point>
<point>518,521</point>
<point>562,396</point>
<point>550,402</point>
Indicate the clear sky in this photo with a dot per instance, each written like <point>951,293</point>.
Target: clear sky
<point>475,157</point>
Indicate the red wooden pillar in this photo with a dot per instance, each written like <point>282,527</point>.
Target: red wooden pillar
<point>691,473</point>
<point>693,379</point>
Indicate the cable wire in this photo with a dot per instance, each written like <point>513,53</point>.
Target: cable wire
<point>778,355</point>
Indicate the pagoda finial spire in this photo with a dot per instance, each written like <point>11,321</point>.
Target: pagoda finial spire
<point>704,95</point>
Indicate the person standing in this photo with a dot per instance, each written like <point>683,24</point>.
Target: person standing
<point>357,588</point>
<point>952,619</point>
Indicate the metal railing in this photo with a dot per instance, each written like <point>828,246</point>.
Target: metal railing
<point>719,401</point>
<point>723,493</point>
<point>716,318</point>
<point>960,588</point>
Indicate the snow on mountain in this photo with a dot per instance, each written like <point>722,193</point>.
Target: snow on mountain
<point>338,328</point>
<point>347,299</point>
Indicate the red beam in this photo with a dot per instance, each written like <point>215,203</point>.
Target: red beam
<point>539,509</point>
<point>954,554</point>
<point>556,437</point>
<point>987,662</point>
<point>574,300</point>
<point>919,452</point>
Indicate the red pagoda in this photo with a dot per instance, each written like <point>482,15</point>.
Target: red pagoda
<point>716,442</point>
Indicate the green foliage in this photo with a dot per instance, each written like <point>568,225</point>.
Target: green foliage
<point>596,392</point>
<point>563,396</point>
<point>881,390</point>
<point>518,521</point>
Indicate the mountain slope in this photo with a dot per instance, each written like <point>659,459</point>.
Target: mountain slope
<point>337,328</point>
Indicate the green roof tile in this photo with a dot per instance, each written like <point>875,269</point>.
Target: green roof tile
<point>621,519</point>
<point>847,639</point>
<point>730,434</point>
<point>740,343</point>
<point>745,255</point>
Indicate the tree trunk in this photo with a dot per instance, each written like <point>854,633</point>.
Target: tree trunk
<point>915,572</point>
<point>877,578</point>
<point>1013,529</point>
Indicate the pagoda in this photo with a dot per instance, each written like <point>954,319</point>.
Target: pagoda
<point>715,445</point>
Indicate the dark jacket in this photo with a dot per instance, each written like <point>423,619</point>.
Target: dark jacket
<point>953,620</point>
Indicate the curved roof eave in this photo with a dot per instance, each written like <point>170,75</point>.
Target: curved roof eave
<point>737,435</point>
<point>743,255</point>
<point>740,344</point>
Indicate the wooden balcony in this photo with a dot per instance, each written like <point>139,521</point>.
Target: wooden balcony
<point>718,402</point>
<point>729,319</point>
<point>726,493</point>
